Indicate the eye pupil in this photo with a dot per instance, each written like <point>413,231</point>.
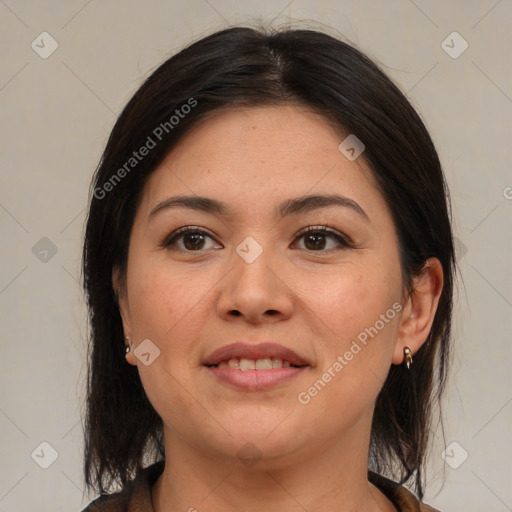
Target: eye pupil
<point>193,241</point>
<point>317,239</point>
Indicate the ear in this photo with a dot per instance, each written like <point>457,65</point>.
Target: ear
<point>420,309</point>
<point>119,286</point>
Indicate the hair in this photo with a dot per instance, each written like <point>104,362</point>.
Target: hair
<point>247,67</point>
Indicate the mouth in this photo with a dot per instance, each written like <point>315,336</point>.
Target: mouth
<point>247,356</point>
<point>244,364</point>
<point>255,367</point>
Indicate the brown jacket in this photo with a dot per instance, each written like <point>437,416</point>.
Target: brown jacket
<point>136,496</point>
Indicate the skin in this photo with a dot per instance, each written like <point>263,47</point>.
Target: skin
<point>313,300</point>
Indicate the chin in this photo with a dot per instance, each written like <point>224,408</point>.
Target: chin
<point>267,438</point>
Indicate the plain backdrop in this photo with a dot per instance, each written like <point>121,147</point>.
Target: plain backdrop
<point>453,61</point>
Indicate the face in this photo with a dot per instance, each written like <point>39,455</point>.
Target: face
<point>292,248</point>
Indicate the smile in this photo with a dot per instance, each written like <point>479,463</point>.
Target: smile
<point>251,366</point>
<point>255,364</point>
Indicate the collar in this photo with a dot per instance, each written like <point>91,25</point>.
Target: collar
<point>136,495</point>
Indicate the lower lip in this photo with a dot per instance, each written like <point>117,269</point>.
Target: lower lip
<point>256,379</point>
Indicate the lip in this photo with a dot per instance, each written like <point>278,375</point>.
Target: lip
<point>255,379</point>
<point>244,350</point>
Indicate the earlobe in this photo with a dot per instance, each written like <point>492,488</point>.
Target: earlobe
<point>420,309</point>
<point>119,287</point>
<point>130,356</point>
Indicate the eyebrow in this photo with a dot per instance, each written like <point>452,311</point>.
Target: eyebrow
<point>289,207</point>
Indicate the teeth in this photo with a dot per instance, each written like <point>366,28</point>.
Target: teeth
<point>247,364</point>
<point>234,363</point>
<point>264,364</point>
<point>252,364</point>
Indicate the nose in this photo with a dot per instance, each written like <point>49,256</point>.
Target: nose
<point>255,292</point>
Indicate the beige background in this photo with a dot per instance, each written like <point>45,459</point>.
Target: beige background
<point>56,115</point>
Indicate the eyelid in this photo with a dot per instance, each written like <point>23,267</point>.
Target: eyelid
<point>172,237</point>
<point>342,238</point>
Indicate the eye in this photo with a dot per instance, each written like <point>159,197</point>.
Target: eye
<point>190,238</point>
<point>321,238</point>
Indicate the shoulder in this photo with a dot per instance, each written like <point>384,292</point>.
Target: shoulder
<point>134,497</point>
<point>402,498</point>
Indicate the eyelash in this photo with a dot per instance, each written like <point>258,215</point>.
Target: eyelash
<point>341,239</point>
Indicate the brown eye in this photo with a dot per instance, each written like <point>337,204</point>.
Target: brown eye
<point>193,241</point>
<point>190,239</point>
<point>322,239</point>
<point>315,241</point>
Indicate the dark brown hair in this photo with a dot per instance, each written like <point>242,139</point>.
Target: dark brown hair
<point>248,67</point>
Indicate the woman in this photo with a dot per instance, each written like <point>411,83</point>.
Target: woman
<point>268,263</point>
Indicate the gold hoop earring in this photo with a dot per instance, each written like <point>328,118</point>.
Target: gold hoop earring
<point>407,357</point>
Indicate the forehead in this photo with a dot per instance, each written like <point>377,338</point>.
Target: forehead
<point>259,155</point>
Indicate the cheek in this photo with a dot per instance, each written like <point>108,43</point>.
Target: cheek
<point>351,299</point>
<point>359,307</point>
<point>169,307</point>
<point>164,298</point>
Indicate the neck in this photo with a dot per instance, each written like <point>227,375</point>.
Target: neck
<point>312,479</point>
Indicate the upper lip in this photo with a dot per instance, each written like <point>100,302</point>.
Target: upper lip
<point>244,350</point>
